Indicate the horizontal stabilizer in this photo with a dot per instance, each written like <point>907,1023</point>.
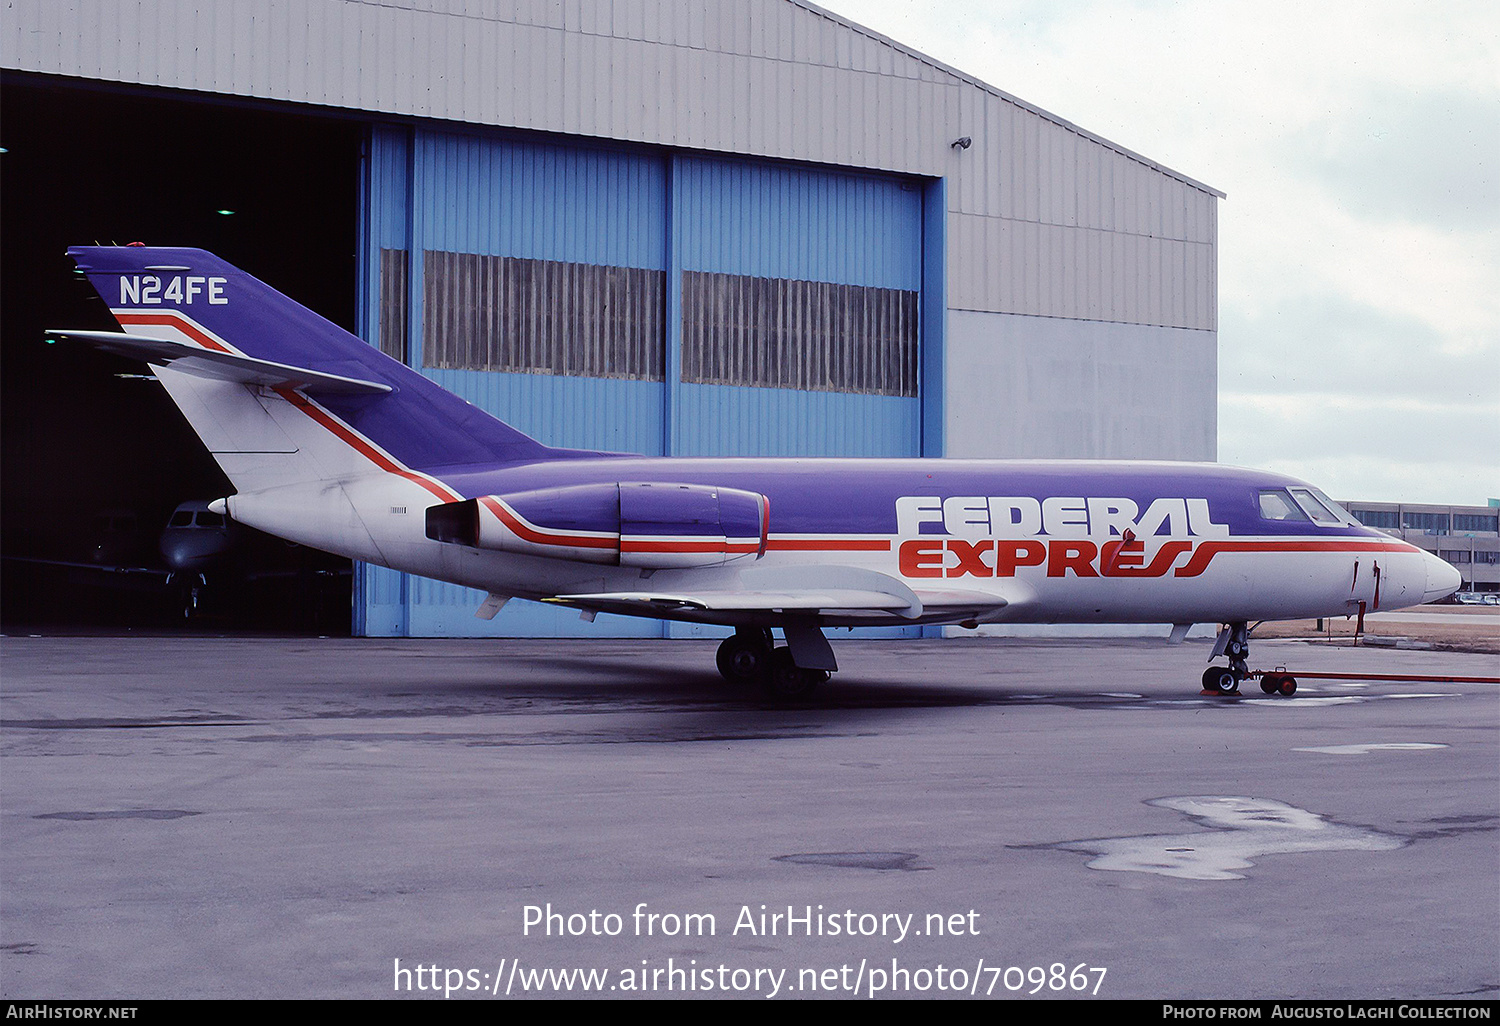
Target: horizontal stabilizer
<point>206,363</point>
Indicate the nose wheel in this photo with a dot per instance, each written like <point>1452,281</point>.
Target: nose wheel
<point>1220,680</point>
<point>1234,644</point>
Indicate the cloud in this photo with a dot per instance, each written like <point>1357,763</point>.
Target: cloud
<point>1331,344</point>
<point>1376,448</point>
<point>1286,237</point>
<point>1427,159</point>
<point>1359,270</point>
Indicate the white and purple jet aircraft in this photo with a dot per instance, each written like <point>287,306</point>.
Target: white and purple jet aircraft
<point>332,444</point>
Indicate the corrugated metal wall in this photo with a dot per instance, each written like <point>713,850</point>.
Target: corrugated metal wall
<point>777,222</point>
<point>469,215</point>
<point>450,193</point>
<point>1046,218</point>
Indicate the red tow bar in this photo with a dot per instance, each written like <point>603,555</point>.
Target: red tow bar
<point>1416,678</point>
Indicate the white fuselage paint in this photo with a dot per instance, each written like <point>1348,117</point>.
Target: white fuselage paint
<point>357,517</point>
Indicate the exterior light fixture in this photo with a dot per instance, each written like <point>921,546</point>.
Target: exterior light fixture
<point>963,143</point>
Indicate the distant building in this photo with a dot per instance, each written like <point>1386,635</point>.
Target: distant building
<point>1466,536</point>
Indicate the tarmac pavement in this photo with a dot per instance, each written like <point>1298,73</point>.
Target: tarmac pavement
<point>266,817</point>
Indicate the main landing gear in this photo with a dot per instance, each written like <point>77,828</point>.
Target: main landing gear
<point>1234,643</point>
<point>751,656</point>
<point>745,656</point>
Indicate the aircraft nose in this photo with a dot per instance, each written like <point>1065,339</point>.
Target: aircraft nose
<point>1442,578</point>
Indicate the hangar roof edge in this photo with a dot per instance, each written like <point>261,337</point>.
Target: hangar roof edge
<point>964,76</point>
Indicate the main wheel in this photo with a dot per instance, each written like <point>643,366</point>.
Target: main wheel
<point>788,680</point>
<point>1220,680</point>
<point>742,659</point>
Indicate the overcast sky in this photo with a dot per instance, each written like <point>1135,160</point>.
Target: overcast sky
<point>1359,247</point>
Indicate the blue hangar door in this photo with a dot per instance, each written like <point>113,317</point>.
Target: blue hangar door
<point>641,301</point>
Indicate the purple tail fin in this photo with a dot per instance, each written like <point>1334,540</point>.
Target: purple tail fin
<point>200,298</point>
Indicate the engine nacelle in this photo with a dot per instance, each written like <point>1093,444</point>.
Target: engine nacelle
<point>647,525</point>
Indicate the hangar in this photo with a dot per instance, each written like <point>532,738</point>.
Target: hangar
<point>674,227</point>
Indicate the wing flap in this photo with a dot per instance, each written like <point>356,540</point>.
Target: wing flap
<point>742,601</point>
<point>206,363</point>
<point>937,607</point>
<point>817,589</point>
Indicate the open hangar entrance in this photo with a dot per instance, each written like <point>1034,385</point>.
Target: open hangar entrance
<point>94,457</point>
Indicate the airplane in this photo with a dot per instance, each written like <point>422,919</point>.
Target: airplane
<point>196,541</point>
<point>196,538</point>
<point>332,444</point>
<point>193,542</point>
<point>201,553</point>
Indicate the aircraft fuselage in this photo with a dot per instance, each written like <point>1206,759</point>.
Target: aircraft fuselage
<point>1047,537</point>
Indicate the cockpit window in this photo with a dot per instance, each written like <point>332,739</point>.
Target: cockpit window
<point>182,518</point>
<point>1343,513</point>
<point>210,520</point>
<point>1276,504</point>
<point>1315,508</point>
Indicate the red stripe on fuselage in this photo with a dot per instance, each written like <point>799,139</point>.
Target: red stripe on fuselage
<point>1206,551</point>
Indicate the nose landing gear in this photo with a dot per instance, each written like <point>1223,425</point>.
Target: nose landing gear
<point>1234,642</point>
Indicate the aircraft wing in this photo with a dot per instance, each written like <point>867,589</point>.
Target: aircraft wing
<point>810,589</point>
<point>206,363</point>
<point>109,568</point>
<point>740,601</point>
